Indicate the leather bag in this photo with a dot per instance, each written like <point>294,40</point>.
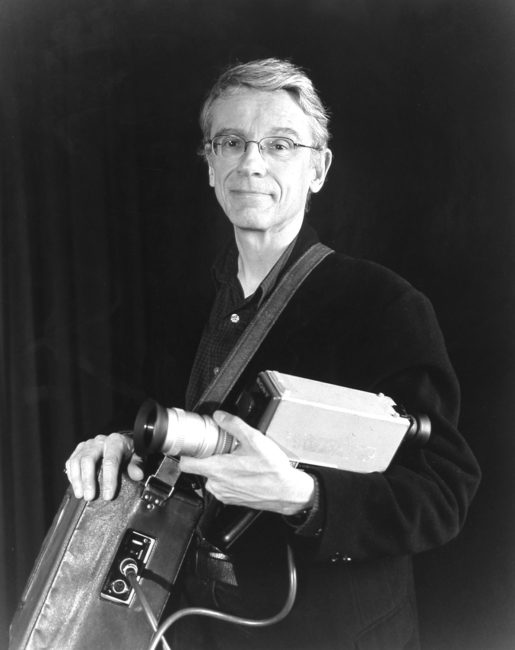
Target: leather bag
<point>62,607</point>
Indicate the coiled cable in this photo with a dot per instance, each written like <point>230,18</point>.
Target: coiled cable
<point>230,618</point>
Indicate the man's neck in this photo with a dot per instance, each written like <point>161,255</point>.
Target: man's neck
<point>258,253</point>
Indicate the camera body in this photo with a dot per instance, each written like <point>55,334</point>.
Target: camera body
<point>321,424</point>
<point>315,423</point>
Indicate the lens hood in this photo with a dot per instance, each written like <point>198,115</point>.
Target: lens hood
<point>150,428</point>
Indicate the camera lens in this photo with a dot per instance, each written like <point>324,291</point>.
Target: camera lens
<point>176,432</point>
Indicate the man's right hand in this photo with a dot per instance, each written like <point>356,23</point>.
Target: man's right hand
<point>112,452</point>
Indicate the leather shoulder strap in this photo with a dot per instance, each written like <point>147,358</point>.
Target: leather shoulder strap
<point>261,324</point>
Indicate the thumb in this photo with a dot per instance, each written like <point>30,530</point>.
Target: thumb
<point>134,469</point>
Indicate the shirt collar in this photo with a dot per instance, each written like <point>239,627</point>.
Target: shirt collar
<point>225,268</point>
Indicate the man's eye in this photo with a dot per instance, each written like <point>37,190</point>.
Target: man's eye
<point>280,145</point>
<point>231,143</point>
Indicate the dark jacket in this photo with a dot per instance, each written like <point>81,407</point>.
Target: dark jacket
<point>357,324</point>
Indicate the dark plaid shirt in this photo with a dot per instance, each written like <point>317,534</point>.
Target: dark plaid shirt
<point>230,315</point>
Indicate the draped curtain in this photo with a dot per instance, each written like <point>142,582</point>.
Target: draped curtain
<point>70,263</point>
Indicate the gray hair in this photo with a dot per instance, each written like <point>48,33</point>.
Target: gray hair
<point>270,74</point>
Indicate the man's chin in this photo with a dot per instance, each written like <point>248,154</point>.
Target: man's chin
<point>252,206</point>
<point>251,220</point>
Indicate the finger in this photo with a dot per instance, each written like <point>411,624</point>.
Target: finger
<point>212,489</point>
<point>88,477</point>
<point>116,448</point>
<point>234,425</point>
<point>90,448</point>
<point>191,465</point>
<point>74,476</point>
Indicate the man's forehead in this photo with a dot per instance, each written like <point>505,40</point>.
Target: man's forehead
<point>275,111</point>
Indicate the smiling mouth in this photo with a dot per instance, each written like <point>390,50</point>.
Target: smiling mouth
<point>250,193</point>
<point>243,191</point>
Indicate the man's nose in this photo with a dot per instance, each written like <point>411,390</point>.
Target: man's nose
<point>251,161</point>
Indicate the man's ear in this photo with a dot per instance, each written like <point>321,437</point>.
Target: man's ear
<point>211,176</point>
<point>321,163</point>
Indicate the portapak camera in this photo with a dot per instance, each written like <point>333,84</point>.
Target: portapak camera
<point>315,423</point>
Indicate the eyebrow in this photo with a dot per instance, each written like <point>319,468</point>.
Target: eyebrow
<point>284,130</point>
<point>278,130</point>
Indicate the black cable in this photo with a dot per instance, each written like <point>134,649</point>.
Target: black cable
<point>229,618</point>
<point>133,579</point>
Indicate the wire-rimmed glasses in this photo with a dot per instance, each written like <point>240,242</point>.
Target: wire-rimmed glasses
<point>232,146</point>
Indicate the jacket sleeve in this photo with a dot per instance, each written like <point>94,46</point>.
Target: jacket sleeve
<point>422,499</point>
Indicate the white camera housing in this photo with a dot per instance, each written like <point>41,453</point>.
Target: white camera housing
<point>331,426</point>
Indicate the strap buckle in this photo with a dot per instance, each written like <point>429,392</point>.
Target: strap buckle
<point>156,492</point>
<point>160,486</point>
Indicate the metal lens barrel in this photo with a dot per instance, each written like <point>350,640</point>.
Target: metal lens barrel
<point>190,434</point>
<point>176,432</point>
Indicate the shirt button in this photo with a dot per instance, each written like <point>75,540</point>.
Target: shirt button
<point>235,318</point>
<point>216,370</point>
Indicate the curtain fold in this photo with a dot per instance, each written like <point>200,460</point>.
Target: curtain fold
<point>71,281</point>
<point>21,472</point>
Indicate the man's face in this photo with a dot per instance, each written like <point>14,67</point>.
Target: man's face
<point>259,193</point>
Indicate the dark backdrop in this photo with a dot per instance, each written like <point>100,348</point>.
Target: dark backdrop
<point>108,228</point>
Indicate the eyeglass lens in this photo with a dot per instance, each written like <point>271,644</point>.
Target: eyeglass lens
<point>233,146</point>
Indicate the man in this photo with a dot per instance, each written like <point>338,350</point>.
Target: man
<point>351,323</point>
